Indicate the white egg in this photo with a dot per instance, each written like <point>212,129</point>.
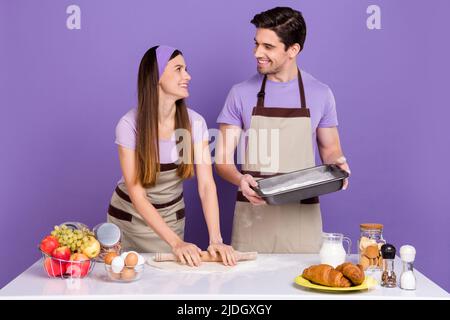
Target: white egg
<point>117,264</point>
<point>124,255</point>
<point>141,260</point>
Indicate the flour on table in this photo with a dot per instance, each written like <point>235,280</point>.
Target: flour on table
<point>262,263</point>
<point>205,267</point>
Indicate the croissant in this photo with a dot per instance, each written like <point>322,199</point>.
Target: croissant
<point>353,272</point>
<point>326,275</point>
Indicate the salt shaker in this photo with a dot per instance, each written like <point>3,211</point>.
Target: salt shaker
<point>388,278</point>
<point>407,278</point>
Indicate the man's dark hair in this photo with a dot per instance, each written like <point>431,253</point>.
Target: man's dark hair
<point>286,22</point>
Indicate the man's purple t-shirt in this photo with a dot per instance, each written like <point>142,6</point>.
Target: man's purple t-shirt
<point>126,134</point>
<point>242,98</point>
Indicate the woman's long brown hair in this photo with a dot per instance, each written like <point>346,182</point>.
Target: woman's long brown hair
<point>147,137</point>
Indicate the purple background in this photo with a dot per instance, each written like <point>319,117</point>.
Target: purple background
<point>63,91</point>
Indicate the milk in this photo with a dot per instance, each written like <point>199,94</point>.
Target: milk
<point>332,253</point>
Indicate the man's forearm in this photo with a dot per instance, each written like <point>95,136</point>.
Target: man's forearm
<point>229,172</point>
<point>330,155</point>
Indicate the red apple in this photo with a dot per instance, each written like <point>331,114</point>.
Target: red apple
<point>82,261</point>
<point>48,244</point>
<point>74,270</point>
<point>54,267</point>
<point>62,253</point>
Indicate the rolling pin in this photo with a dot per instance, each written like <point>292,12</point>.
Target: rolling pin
<point>206,257</point>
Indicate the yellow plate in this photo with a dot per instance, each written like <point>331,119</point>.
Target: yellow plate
<point>368,283</point>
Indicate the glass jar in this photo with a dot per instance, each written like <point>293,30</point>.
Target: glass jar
<point>109,236</point>
<point>369,246</point>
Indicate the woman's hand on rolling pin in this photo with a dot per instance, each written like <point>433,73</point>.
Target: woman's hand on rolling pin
<point>187,253</point>
<point>226,252</point>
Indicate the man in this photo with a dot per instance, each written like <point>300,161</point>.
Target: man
<point>297,109</point>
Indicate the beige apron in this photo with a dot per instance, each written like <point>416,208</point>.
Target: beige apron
<point>289,228</point>
<point>166,196</point>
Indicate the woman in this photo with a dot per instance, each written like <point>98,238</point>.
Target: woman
<point>157,151</point>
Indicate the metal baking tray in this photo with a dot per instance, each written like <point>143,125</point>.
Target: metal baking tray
<point>302,184</point>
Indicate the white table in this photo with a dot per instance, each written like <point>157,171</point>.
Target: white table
<point>271,277</point>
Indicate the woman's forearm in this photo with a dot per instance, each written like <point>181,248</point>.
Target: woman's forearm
<point>210,206</point>
<point>154,219</point>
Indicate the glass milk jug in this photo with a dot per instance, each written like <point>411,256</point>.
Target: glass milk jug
<point>332,251</point>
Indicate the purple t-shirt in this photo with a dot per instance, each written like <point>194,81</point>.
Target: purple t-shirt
<point>242,98</point>
<point>126,134</point>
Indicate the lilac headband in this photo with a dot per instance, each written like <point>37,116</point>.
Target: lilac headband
<point>163,54</point>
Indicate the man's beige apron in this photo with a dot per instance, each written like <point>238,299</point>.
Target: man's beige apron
<point>289,228</point>
<point>166,196</point>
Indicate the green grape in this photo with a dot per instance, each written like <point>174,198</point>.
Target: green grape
<point>76,240</point>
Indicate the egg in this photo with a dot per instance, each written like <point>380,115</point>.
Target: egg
<point>141,260</point>
<point>114,276</point>
<point>124,254</point>
<point>117,264</point>
<point>131,260</point>
<point>109,257</point>
<point>128,274</point>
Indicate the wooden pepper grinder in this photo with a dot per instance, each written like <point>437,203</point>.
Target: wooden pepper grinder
<point>388,278</point>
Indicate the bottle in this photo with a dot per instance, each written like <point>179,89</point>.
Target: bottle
<point>388,277</point>
<point>369,244</point>
<point>407,278</point>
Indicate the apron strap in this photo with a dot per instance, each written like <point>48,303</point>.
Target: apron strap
<point>127,198</point>
<point>125,216</point>
<point>302,89</point>
<point>261,94</point>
